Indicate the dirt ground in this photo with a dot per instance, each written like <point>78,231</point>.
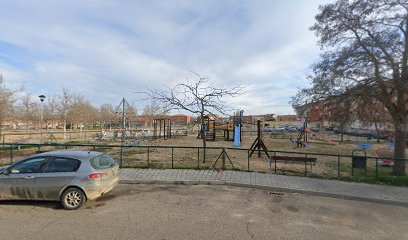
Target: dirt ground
<point>314,145</point>
<point>151,156</point>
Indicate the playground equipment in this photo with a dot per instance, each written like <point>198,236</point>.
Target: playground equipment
<point>258,143</point>
<point>207,129</point>
<point>321,137</point>
<point>303,136</point>
<point>123,110</point>
<point>213,130</point>
<point>162,128</point>
<point>386,154</point>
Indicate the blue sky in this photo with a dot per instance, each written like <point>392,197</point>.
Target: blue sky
<point>108,49</point>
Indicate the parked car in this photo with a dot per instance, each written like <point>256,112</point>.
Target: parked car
<point>71,177</point>
<point>280,129</point>
<point>268,129</point>
<point>292,129</point>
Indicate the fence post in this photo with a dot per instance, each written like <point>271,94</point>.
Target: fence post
<point>198,155</point>
<point>172,157</point>
<point>223,158</point>
<point>376,169</point>
<point>338,166</point>
<point>121,156</point>
<point>305,164</point>
<point>274,154</point>
<point>148,157</point>
<point>11,154</point>
<point>248,160</point>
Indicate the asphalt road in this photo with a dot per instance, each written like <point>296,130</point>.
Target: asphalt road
<point>203,212</point>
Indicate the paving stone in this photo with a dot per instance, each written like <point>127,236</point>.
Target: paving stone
<point>330,187</point>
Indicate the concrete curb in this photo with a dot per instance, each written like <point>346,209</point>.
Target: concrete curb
<point>269,188</point>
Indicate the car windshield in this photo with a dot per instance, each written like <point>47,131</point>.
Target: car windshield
<point>102,162</point>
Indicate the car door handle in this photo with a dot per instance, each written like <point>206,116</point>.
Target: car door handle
<point>29,177</point>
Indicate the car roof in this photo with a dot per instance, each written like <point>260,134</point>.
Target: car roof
<point>77,154</point>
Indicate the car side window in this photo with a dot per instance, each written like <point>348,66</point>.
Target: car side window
<point>59,164</point>
<point>102,162</point>
<point>29,166</point>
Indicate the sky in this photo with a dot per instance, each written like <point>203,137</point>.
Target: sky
<point>109,49</point>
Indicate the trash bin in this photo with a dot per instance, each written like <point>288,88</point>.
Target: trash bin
<point>358,161</point>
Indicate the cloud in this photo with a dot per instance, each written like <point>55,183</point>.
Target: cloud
<point>108,49</point>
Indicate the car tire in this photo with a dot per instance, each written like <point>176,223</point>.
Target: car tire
<point>73,198</point>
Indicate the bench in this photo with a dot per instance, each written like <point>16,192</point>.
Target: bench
<point>293,160</point>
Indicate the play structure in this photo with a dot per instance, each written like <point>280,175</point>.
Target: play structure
<point>162,128</point>
<point>227,131</point>
<point>302,138</point>
<point>386,156</point>
<point>207,129</point>
<point>123,114</point>
<point>258,144</point>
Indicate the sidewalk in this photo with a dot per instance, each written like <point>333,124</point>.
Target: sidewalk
<point>272,182</point>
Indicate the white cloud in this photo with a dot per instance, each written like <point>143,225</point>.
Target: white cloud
<point>108,49</point>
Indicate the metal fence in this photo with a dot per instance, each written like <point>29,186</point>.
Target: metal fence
<point>164,157</point>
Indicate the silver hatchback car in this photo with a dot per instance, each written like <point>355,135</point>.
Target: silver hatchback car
<point>72,177</point>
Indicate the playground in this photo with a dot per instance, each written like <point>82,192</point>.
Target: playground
<point>317,158</point>
<point>230,145</point>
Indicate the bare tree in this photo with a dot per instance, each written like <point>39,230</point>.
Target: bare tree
<point>200,97</point>
<point>81,113</point>
<point>27,111</point>
<point>106,114</point>
<point>64,105</point>
<point>151,111</point>
<point>131,115</point>
<point>365,44</point>
<point>7,101</point>
<point>51,111</point>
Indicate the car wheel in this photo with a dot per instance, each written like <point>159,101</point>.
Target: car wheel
<point>73,198</point>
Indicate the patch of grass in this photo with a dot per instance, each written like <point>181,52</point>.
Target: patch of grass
<point>394,180</point>
<point>74,142</point>
<point>384,177</point>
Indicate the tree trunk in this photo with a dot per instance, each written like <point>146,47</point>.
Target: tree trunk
<point>203,135</point>
<point>399,152</point>
<point>377,130</point>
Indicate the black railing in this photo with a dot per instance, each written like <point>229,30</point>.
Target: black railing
<point>281,162</point>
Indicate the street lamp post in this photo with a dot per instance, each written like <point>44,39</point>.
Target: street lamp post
<point>42,97</point>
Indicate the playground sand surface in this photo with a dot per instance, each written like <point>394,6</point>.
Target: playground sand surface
<point>313,146</point>
<point>193,158</point>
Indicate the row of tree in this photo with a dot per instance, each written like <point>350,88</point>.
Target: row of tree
<point>65,110</point>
